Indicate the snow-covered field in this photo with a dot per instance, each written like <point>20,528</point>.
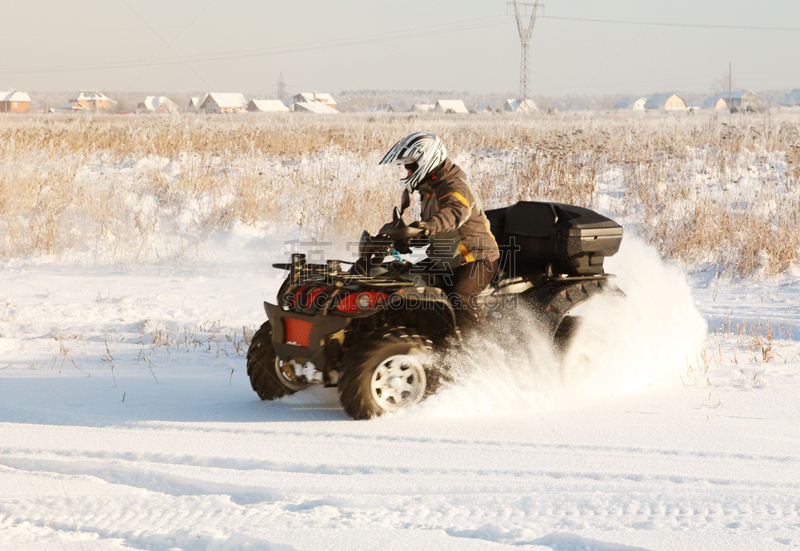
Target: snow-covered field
<point>127,420</point>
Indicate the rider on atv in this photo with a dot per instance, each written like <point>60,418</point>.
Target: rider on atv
<point>463,253</point>
<point>371,329</point>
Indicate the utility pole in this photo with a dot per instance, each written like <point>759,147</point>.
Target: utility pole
<point>281,88</point>
<point>730,90</point>
<point>525,34</point>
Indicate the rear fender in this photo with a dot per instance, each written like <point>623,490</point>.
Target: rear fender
<point>554,300</point>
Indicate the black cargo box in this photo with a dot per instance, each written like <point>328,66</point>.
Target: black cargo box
<point>535,237</point>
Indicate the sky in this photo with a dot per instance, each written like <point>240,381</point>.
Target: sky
<point>446,45</point>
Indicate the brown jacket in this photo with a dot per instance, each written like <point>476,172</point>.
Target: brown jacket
<point>454,206</point>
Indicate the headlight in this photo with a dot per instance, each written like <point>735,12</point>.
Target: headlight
<point>360,302</point>
<point>363,301</point>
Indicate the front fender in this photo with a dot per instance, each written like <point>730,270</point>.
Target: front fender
<point>319,329</point>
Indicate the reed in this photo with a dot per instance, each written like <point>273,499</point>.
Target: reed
<point>708,191</point>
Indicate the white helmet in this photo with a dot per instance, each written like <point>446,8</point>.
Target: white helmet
<point>421,153</point>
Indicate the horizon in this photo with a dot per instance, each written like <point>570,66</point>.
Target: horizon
<point>578,48</point>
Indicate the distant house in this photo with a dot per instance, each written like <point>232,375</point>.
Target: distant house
<point>484,108</point>
<point>714,102</point>
<point>313,107</point>
<point>791,99</point>
<point>665,102</point>
<point>157,104</point>
<point>450,106</point>
<point>310,97</point>
<point>633,104</point>
<point>741,100</point>
<point>70,106</point>
<point>519,106</point>
<point>14,102</point>
<point>88,100</point>
<point>193,104</point>
<point>383,109</point>
<point>267,106</point>
<point>422,108</point>
<point>223,102</point>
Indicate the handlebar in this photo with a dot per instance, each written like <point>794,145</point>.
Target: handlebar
<point>393,235</point>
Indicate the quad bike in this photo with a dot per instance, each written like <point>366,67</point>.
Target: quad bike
<point>370,329</point>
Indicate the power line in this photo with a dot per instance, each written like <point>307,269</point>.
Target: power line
<point>168,44</point>
<point>465,25</point>
<point>409,33</point>
<point>685,25</point>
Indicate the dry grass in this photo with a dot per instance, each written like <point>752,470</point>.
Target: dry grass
<point>706,190</point>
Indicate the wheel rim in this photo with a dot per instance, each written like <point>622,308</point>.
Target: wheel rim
<point>398,382</point>
<point>287,376</point>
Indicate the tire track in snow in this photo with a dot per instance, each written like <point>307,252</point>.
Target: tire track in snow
<point>478,443</point>
<point>159,516</point>
<point>402,483</point>
<point>152,503</point>
<point>135,475</point>
<point>150,476</point>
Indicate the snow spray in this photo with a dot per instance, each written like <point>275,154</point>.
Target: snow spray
<point>620,345</point>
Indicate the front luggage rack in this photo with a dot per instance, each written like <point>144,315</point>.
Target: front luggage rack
<point>301,272</point>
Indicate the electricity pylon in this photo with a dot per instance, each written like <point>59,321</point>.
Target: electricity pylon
<point>281,88</point>
<point>525,38</point>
